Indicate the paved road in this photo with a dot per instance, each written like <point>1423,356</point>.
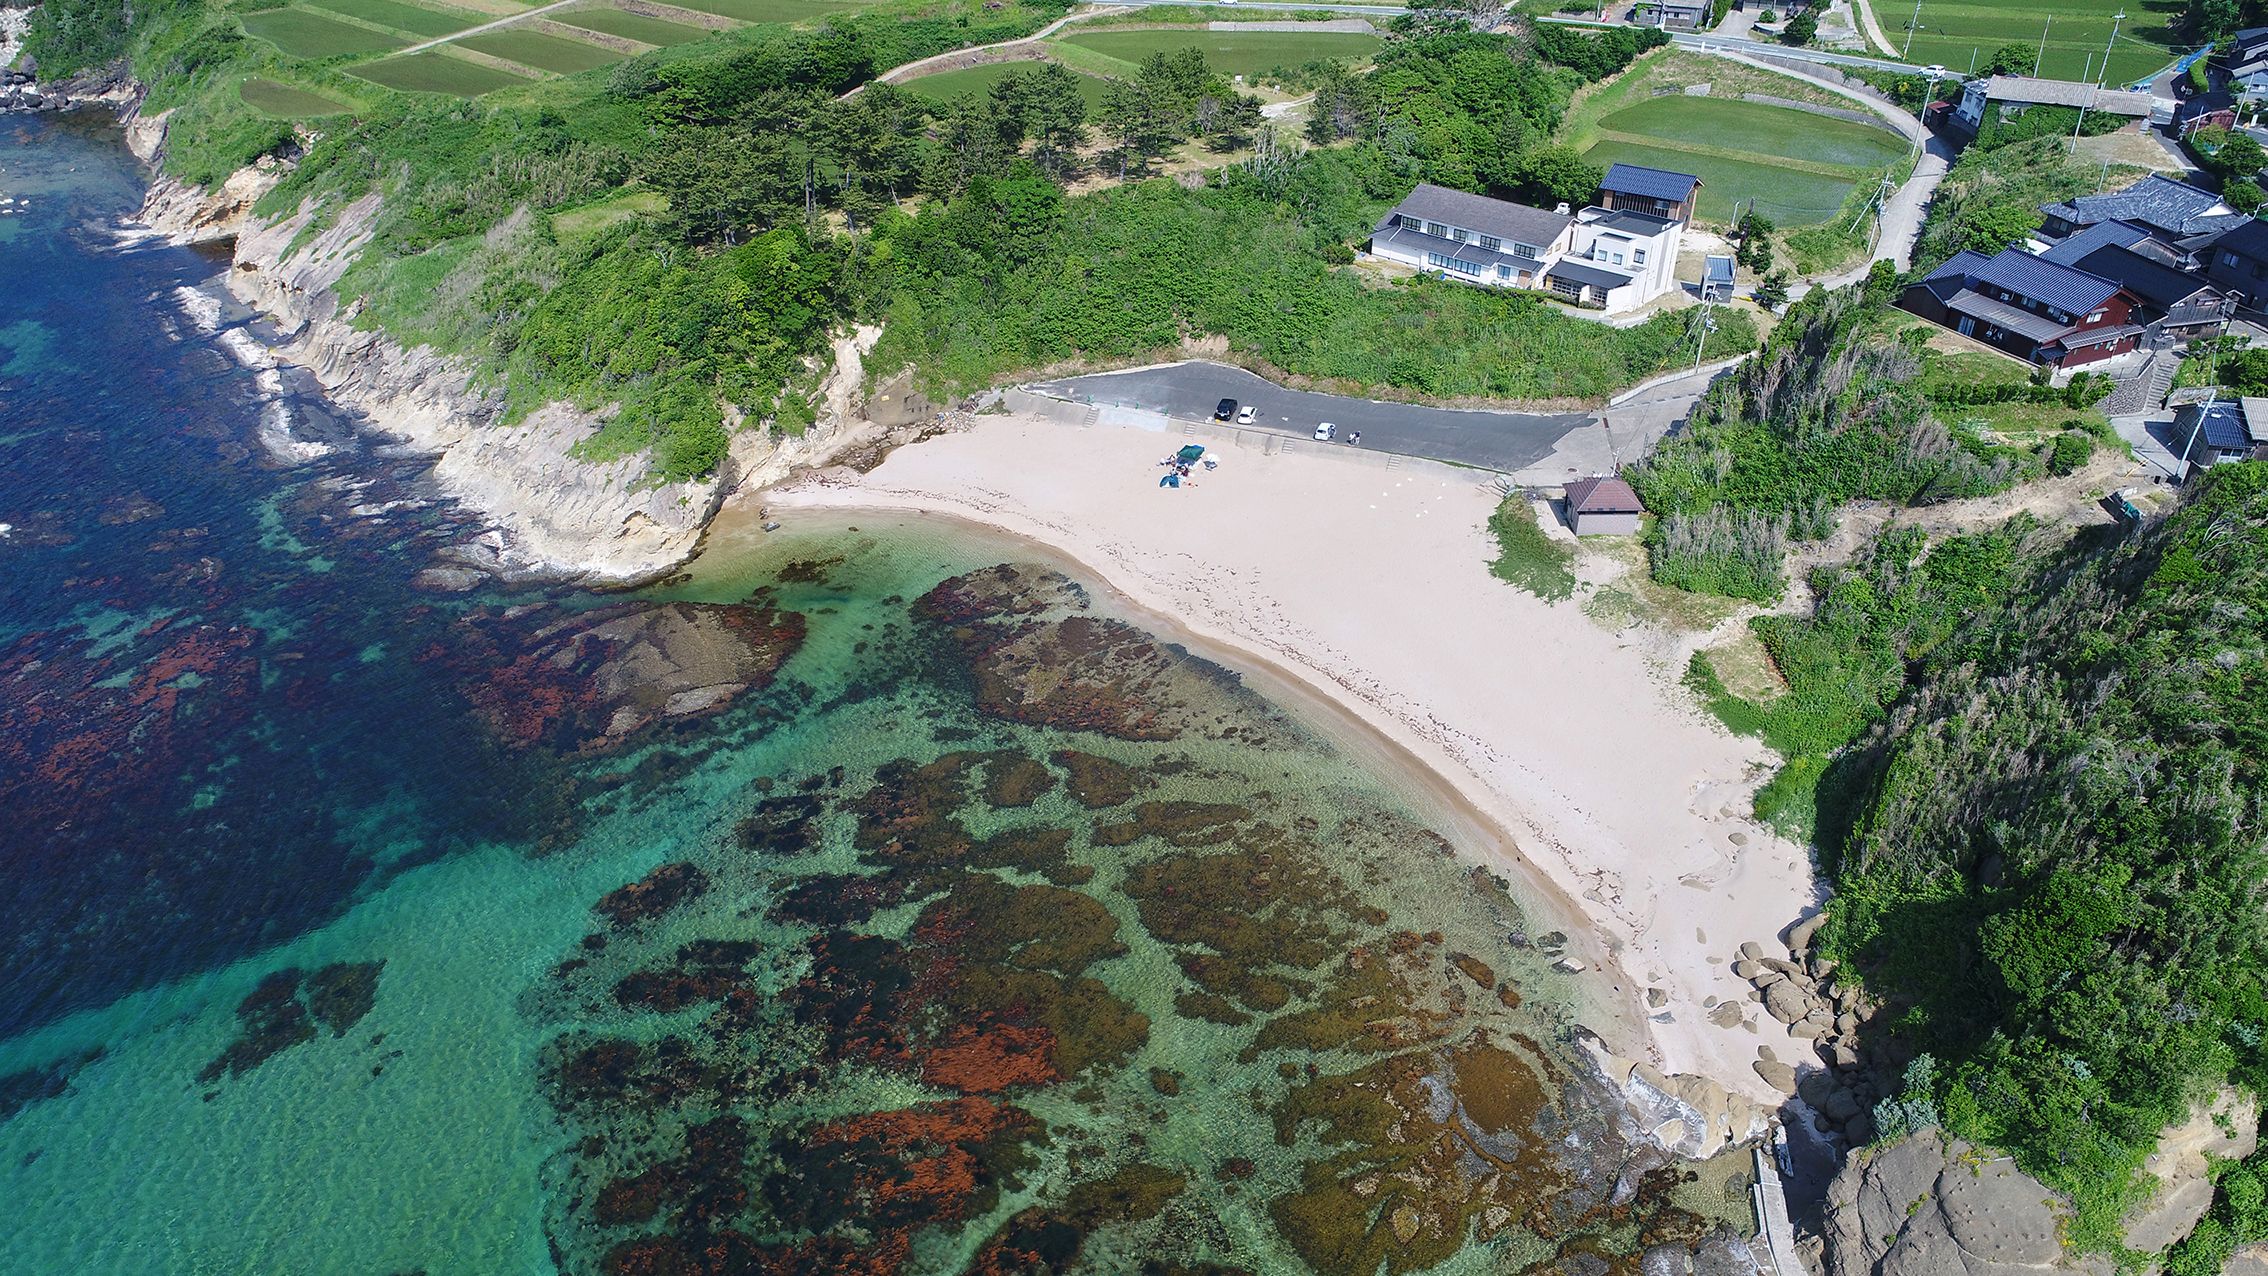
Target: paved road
<point>1495,440</point>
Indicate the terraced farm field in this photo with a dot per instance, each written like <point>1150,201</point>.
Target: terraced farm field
<point>435,73</point>
<point>1797,166</point>
<point>770,10</point>
<point>1787,196</point>
<point>271,98</point>
<point>543,52</point>
<point>1731,124</point>
<point>406,17</point>
<point>1960,34</point>
<point>631,26</point>
<point>305,35</point>
<point>1245,53</point>
<point>947,85</point>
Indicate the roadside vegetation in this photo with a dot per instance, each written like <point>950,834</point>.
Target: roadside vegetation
<point>1526,555</point>
<point>1991,197</point>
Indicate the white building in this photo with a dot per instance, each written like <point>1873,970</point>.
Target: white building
<point>1617,259</point>
<point>1607,259</point>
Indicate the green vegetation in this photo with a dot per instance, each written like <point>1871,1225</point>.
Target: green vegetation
<point>2238,1216</point>
<point>432,72</point>
<point>1526,555</point>
<point>285,102</point>
<point>1962,34</point>
<point>946,86</point>
<point>768,11</point>
<point>1245,53</point>
<point>406,17</point>
<point>304,35</point>
<point>1769,131</point>
<point>631,26</point>
<point>543,52</point>
<point>1792,198</point>
<point>1991,198</point>
<point>2047,121</point>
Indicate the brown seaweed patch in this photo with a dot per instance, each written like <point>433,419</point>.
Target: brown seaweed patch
<point>341,993</point>
<point>705,1185</point>
<point>1480,972</point>
<point>705,970</point>
<point>907,819</point>
<point>934,1164</point>
<point>782,825</point>
<point>1099,782</point>
<point>1178,824</point>
<point>652,895</point>
<point>1091,1026</point>
<point>1211,1008</point>
<point>19,1090</point>
<point>808,571</point>
<point>269,1020</point>
<point>835,900</point>
<point>1013,779</point>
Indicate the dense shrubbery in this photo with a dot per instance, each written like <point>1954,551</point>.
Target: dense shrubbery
<point>1825,415</point>
<point>1991,198</point>
<point>2045,121</point>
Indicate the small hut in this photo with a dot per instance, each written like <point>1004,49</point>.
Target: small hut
<point>1602,506</point>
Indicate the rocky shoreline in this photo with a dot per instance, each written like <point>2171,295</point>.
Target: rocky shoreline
<point>553,515</point>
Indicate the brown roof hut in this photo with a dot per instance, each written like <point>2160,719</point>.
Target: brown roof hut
<point>1602,507</point>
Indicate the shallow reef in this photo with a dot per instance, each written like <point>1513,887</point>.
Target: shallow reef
<point>287,1008</point>
<point>1070,1002</point>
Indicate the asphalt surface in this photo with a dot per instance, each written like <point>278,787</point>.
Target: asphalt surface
<point>1494,440</point>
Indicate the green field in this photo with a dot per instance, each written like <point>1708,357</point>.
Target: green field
<point>947,85</point>
<point>1962,35</point>
<point>1245,53</point>
<point>303,35</point>
<point>405,17</point>
<point>543,52</point>
<point>271,98</point>
<point>1765,130</point>
<point>1784,195</point>
<point>769,10</point>
<point>631,26</point>
<point>436,73</point>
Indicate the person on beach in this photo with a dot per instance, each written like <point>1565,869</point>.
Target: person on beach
<point>1355,439</point>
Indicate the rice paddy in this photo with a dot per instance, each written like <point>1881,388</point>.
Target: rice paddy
<point>631,26</point>
<point>1961,34</point>
<point>543,52</point>
<point>1788,196</point>
<point>405,17</point>
<point>1764,131</point>
<point>306,35</point>
<point>284,101</point>
<point>769,10</point>
<point>944,86</point>
<point>436,73</point>
<point>1245,53</point>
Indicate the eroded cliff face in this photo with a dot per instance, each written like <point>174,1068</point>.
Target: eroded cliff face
<point>554,515</point>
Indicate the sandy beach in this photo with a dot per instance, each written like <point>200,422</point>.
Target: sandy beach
<point>1370,586</point>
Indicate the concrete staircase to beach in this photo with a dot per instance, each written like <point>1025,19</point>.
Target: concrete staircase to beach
<point>2145,391</point>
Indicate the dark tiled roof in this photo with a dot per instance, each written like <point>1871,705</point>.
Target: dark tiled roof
<point>1584,273</point>
<point>2045,281</point>
<point>2249,239</point>
<point>2023,88</point>
<point>2097,336</point>
<point>2224,423</point>
<point>1602,496</point>
<point>1513,223</point>
<point>2190,316</point>
<point>1649,183</point>
<point>2155,282</point>
<point>2039,328</point>
<point>2154,201</point>
<point>2115,233</point>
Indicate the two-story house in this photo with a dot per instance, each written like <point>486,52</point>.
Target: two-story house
<point>2035,309</point>
<point>1472,237</point>
<point>1617,260</point>
<point>2183,305</point>
<point>1649,190</point>
<point>2238,262</point>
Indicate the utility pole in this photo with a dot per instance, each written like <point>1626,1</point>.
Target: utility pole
<point>2117,18</point>
<point>2036,59</point>
<point>1908,47</point>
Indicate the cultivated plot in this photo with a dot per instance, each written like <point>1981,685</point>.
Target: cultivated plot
<point>1959,35</point>
<point>770,10</point>
<point>944,86</point>
<point>405,17</point>
<point>543,52</point>
<point>305,35</point>
<point>1787,196</point>
<point>436,73</point>
<point>631,26</point>
<point>1762,130</point>
<point>1245,53</point>
<point>271,98</point>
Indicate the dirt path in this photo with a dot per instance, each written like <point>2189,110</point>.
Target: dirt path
<point>975,56</point>
<point>485,27</point>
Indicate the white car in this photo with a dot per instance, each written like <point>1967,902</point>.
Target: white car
<point>1934,72</point>
<point>1324,432</point>
<point>1247,415</point>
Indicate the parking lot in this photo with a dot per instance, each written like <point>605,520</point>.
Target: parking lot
<point>1494,440</point>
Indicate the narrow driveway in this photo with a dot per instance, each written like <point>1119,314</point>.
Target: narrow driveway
<point>486,26</point>
<point>1503,441</point>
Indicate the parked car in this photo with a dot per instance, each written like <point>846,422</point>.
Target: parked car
<point>1324,432</point>
<point>1246,416</point>
<point>1934,72</point>
<point>1224,410</point>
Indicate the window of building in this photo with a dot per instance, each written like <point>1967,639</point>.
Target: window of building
<point>1457,234</point>
<point>1640,257</point>
<point>1522,250</point>
<point>1437,230</point>
<point>1566,287</point>
<point>1491,243</point>
<point>2096,317</point>
<point>2228,259</point>
<point>2260,272</point>
<point>1437,261</point>
<point>1617,258</point>
<point>1503,272</point>
<point>1465,267</point>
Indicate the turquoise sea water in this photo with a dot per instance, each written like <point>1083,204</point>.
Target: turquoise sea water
<point>986,932</point>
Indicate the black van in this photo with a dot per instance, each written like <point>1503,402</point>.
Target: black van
<point>1225,410</point>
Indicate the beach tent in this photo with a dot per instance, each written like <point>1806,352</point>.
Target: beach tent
<point>1170,480</point>
<point>1193,452</point>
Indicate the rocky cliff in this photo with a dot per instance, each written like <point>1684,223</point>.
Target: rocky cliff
<point>554,514</point>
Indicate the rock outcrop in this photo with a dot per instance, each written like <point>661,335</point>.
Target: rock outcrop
<point>1686,1115</point>
<point>556,515</point>
<point>1929,1207</point>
